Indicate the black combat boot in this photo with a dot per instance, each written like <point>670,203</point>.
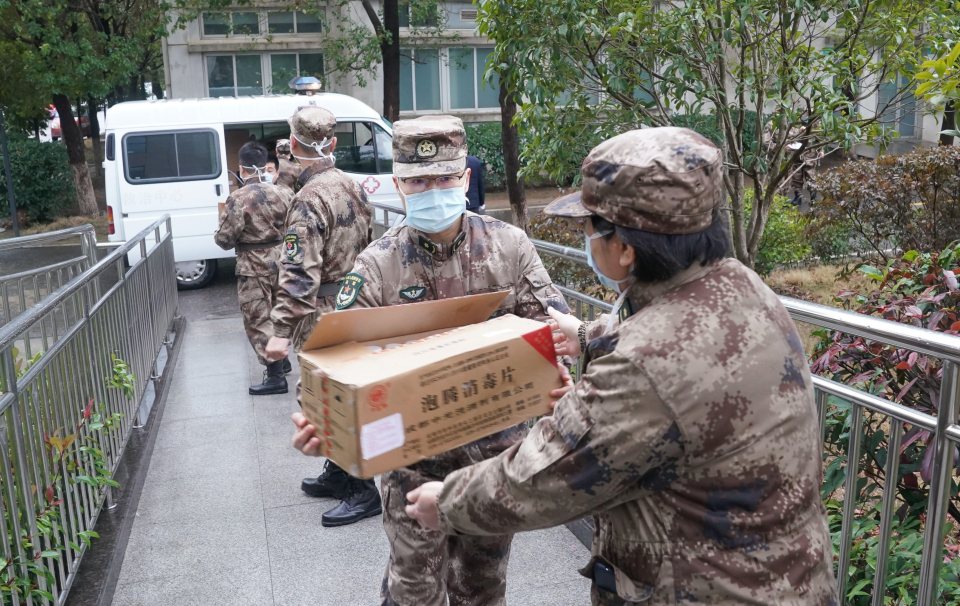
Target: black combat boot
<point>287,366</point>
<point>363,502</point>
<point>273,381</point>
<point>332,483</point>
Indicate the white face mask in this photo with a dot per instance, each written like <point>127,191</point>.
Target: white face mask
<point>260,172</point>
<point>315,146</point>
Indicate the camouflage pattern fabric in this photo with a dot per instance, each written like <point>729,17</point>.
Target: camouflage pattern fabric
<point>405,266</point>
<point>430,145</point>
<point>288,175</point>
<point>693,439</point>
<point>327,226</point>
<point>663,180</point>
<point>253,214</point>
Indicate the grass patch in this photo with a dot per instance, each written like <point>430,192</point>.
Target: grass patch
<point>99,224</point>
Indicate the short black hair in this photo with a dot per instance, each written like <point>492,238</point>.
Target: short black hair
<point>253,153</point>
<point>274,160</point>
<point>662,256</point>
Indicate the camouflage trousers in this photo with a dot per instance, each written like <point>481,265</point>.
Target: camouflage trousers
<point>256,294</point>
<point>426,568</point>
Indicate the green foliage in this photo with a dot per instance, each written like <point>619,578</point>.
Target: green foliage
<point>121,377</point>
<point>911,201</point>
<point>939,80</point>
<point>784,239</point>
<point>483,141</point>
<point>588,69</point>
<point>75,457</point>
<point>42,179</point>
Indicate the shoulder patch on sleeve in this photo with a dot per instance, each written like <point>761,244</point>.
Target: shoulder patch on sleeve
<point>349,290</point>
<point>291,248</point>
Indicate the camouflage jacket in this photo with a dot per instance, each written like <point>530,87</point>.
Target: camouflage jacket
<point>254,214</point>
<point>693,439</point>
<point>405,266</point>
<point>288,174</point>
<point>327,226</point>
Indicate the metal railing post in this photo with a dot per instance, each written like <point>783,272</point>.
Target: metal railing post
<point>939,486</point>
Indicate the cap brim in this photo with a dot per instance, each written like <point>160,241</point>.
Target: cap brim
<point>569,205</point>
<point>404,170</point>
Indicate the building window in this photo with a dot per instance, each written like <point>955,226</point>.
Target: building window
<point>234,75</point>
<point>287,66</point>
<point>468,89</point>
<point>419,79</point>
<point>243,75</point>
<point>427,15</point>
<point>290,22</point>
<point>899,115</point>
<point>171,156</point>
<point>245,23</point>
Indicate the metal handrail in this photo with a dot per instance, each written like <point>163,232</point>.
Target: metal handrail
<point>16,327</point>
<point>50,236</point>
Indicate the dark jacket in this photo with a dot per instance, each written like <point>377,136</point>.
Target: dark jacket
<point>475,191</point>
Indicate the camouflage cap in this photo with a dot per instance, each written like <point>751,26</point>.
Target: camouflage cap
<point>312,124</point>
<point>283,147</point>
<point>429,146</point>
<point>663,180</point>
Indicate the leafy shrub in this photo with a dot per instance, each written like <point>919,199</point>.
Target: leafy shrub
<point>919,289</point>
<point>483,141</point>
<point>910,201</point>
<point>42,179</point>
<point>784,239</point>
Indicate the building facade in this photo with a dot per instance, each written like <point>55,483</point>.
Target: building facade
<point>258,49</point>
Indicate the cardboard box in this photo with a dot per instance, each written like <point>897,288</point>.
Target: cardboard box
<point>390,386</point>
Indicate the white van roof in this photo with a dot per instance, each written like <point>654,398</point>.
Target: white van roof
<point>229,110</point>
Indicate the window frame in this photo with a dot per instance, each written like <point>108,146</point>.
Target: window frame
<point>233,59</point>
<point>174,132</point>
<point>296,23</point>
<point>230,31</point>
<point>443,60</point>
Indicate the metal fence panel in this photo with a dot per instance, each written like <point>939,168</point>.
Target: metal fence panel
<point>55,358</point>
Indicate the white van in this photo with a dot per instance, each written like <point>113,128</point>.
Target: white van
<point>180,157</point>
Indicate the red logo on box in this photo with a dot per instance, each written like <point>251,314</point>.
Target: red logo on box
<point>378,397</point>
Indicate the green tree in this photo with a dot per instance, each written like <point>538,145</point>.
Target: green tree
<point>784,80</point>
<point>68,52</point>
<point>940,84</point>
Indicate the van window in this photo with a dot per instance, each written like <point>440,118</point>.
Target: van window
<point>267,133</point>
<point>363,148</point>
<point>171,156</point>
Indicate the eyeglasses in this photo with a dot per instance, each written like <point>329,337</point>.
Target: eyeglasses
<point>416,185</point>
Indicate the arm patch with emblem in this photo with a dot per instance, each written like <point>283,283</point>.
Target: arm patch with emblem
<point>292,252</point>
<point>349,290</point>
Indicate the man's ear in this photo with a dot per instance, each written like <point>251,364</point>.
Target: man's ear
<point>333,144</point>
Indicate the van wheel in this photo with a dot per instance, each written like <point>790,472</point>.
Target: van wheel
<point>196,274</point>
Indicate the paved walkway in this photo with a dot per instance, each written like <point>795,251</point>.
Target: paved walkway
<point>222,519</point>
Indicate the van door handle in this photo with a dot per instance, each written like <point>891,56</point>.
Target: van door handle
<point>218,188</point>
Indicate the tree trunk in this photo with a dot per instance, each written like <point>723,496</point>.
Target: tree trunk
<point>949,123</point>
<point>73,139</point>
<point>390,49</point>
<point>94,122</point>
<point>510,140</point>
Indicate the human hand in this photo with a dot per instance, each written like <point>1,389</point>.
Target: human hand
<point>277,348</point>
<point>305,438</point>
<point>424,504</point>
<point>565,327</point>
<point>559,392</point>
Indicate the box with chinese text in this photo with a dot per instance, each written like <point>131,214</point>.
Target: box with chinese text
<point>387,387</point>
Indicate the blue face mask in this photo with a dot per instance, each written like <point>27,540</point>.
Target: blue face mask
<point>606,280</point>
<point>435,210</point>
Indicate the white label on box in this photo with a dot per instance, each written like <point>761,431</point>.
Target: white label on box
<point>382,435</point>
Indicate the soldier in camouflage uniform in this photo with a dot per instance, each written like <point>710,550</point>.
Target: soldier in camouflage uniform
<point>327,226</point>
<point>444,251</point>
<point>288,170</point>
<point>692,436</point>
<point>252,222</point>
